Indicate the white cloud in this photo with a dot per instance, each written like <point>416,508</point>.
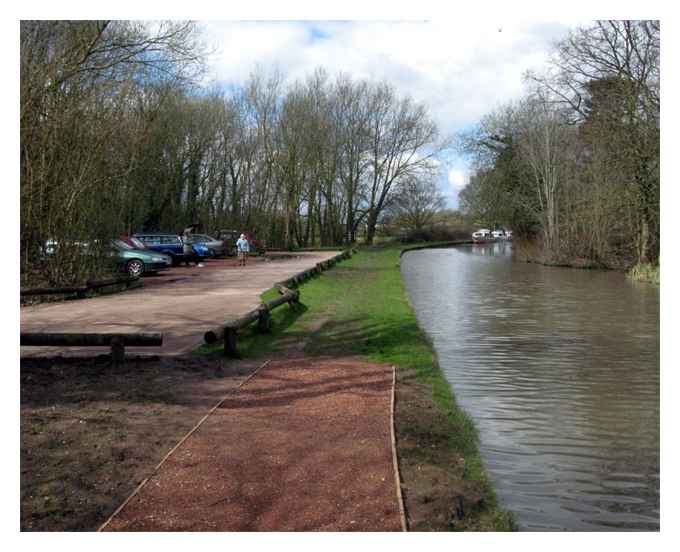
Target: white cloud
<point>457,179</point>
<point>460,69</point>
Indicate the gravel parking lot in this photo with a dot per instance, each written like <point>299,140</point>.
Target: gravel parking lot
<point>181,302</point>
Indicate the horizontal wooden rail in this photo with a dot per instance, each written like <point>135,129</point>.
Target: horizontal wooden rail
<point>261,313</point>
<point>117,341</point>
<point>227,331</point>
<point>80,290</point>
<point>53,291</point>
<point>90,339</point>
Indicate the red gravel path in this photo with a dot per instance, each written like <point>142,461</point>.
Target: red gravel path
<point>303,446</point>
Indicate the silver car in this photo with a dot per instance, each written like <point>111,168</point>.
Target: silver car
<point>216,245</point>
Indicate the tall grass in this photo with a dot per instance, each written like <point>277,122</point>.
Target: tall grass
<point>646,272</point>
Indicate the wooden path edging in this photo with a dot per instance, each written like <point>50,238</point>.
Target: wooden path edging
<point>395,458</point>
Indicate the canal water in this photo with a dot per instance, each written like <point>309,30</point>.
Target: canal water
<point>559,369</point>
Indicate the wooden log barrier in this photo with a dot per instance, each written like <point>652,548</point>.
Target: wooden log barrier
<point>53,291</point>
<point>79,290</point>
<point>214,335</point>
<point>117,341</point>
<point>228,330</point>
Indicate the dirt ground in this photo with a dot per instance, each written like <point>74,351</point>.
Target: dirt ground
<point>436,496</point>
<point>91,433</point>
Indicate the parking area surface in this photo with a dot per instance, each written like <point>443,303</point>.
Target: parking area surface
<point>181,302</point>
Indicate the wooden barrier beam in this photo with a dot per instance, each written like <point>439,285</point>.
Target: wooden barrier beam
<point>48,339</point>
<point>80,290</point>
<point>287,297</point>
<point>111,282</point>
<point>116,341</point>
<point>53,291</point>
<point>214,335</point>
<point>227,331</point>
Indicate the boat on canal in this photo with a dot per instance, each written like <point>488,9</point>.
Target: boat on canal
<point>484,235</point>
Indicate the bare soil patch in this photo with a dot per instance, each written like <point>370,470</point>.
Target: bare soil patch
<point>436,495</point>
<point>91,433</point>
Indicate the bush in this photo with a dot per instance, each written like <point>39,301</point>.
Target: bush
<point>436,233</point>
<point>646,272</point>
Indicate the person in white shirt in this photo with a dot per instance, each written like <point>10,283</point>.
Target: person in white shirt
<point>243,248</point>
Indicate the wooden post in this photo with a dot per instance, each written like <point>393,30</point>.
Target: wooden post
<point>117,349</point>
<point>230,342</point>
<point>263,319</point>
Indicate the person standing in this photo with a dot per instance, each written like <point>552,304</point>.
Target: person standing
<point>187,248</point>
<point>243,248</point>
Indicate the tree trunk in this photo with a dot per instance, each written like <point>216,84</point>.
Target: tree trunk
<point>370,227</point>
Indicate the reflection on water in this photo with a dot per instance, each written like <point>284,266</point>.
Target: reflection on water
<point>559,368</point>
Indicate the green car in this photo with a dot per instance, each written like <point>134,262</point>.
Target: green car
<point>137,262</point>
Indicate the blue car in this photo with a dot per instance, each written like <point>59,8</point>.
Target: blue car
<point>171,245</point>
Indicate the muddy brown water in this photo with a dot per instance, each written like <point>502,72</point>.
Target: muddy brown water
<point>559,369</point>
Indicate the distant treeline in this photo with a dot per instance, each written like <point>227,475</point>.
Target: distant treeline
<point>574,165</point>
<point>117,137</point>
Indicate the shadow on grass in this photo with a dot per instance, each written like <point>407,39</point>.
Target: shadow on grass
<point>385,339</point>
<point>250,343</point>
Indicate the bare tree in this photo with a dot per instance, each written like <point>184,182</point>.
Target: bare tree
<point>415,203</point>
<point>615,65</point>
<point>403,141</point>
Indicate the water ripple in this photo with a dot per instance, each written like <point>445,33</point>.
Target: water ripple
<point>559,369</point>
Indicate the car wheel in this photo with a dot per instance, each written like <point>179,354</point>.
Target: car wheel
<point>135,268</point>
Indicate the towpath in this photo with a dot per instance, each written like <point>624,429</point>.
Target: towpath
<point>304,445</point>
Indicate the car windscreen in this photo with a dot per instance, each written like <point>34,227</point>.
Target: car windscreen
<point>120,244</point>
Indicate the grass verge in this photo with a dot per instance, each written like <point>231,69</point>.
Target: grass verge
<point>360,307</point>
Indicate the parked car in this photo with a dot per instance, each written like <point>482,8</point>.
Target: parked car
<point>257,247</point>
<point>134,242</point>
<point>171,245</point>
<point>217,246</point>
<point>137,262</point>
<point>229,238</point>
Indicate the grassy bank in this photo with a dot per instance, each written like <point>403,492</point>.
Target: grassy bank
<point>360,307</point>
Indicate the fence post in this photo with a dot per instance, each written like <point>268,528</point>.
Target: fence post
<point>230,342</point>
<point>117,349</point>
<point>263,319</point>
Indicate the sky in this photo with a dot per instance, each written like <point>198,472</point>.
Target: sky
<point>458,69</point>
